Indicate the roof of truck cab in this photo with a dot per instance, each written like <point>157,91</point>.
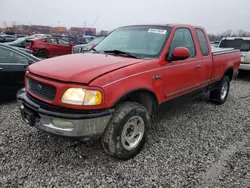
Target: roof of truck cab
<point>168,25</point>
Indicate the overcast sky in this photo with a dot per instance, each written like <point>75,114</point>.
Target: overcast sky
<point>214,15</point>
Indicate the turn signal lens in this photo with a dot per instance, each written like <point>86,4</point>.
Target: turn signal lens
<point>93,97</point>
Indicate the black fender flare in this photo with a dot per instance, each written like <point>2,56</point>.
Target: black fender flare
<point>138,90</point>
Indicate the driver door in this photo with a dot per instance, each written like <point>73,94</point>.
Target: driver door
<point>180,76</point>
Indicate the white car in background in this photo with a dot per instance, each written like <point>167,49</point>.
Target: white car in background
<point>38,36</point>
<point>241,43</point>
<point>214,43</point>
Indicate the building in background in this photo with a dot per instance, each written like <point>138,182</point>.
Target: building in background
<point>27,29</point>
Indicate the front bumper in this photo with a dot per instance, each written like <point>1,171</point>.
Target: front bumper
<point>81,125</point>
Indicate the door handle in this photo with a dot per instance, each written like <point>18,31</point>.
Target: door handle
<point>1,68</point>
<point>198,67</point>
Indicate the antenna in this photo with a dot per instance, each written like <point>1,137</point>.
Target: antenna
<point>95,20</point>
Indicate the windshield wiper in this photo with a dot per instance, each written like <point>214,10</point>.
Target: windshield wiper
<point>94,50</point>
<point>121,52</point>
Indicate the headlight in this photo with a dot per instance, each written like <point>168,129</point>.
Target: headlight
<point>79,96</point>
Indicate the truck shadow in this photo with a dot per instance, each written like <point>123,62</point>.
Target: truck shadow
<point>7,99</point>
<point>243,75</point>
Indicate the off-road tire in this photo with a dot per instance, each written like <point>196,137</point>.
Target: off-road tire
<point>111,139</point>
<point>43,53</point>
<point>215,95</point>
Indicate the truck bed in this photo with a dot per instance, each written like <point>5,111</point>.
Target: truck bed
<point>218,51</point>
<point>224,58</point>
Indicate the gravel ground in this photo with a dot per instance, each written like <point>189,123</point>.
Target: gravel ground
<point>194,145</point>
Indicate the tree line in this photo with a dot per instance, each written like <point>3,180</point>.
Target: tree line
<point>228,33</point>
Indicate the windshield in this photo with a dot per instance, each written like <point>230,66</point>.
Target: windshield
<point>146,41</point>
<point>243,45</point>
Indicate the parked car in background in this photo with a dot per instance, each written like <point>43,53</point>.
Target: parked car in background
<point>21,35</point>
<point>19,42</point>
<point>215,43</point>
<point>34,36</point>
<point>25,50</point>
<point>88,38</point>
<point>7,33</point>
<point>7,38</point>
<point>76,39</point>
<point>13,64</point>
<point>113,92</point>
<point>49,47</point>
<point>86,47</point>
<point>241,43</point>
<point>2,39</point>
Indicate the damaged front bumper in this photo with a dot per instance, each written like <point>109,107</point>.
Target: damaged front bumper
<point>85,124</point>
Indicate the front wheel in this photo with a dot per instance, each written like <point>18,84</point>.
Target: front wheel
<point>219,95</point>
<point>125,135</point>
<point>43,54</point>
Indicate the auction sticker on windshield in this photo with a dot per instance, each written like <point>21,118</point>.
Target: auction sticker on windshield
<point>158,31</point>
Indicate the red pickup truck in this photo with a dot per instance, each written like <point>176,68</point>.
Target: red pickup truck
<point>113,91</point>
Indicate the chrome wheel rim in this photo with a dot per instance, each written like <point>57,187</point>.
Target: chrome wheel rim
<point>132,133</point>
<point>224,90</point>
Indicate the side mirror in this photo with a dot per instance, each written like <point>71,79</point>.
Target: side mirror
<point>179,53</point>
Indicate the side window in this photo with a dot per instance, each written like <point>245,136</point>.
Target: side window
<point>183,38</point>
<point>1,39</point>
<point>202,42</point>
<point>82,40</point>
<point>50,40</point>
<point>3,55</point>
<point>8,56</point>
<point>64,42</point>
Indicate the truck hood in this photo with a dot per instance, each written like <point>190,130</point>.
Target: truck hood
<point>80,68</point>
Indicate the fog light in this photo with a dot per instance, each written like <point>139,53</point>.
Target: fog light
<point>62,124</point>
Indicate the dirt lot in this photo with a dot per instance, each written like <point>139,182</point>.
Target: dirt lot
<point>195,145</point>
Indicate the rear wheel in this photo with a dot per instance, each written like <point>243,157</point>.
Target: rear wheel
<point>219,95</point>
<point>43,54</point>
<point>127,130</point>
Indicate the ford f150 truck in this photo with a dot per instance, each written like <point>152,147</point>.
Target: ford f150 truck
<point>113,91</point>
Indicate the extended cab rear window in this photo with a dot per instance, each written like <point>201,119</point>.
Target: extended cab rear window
<point>240,44</point>
<point>203,42</point>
